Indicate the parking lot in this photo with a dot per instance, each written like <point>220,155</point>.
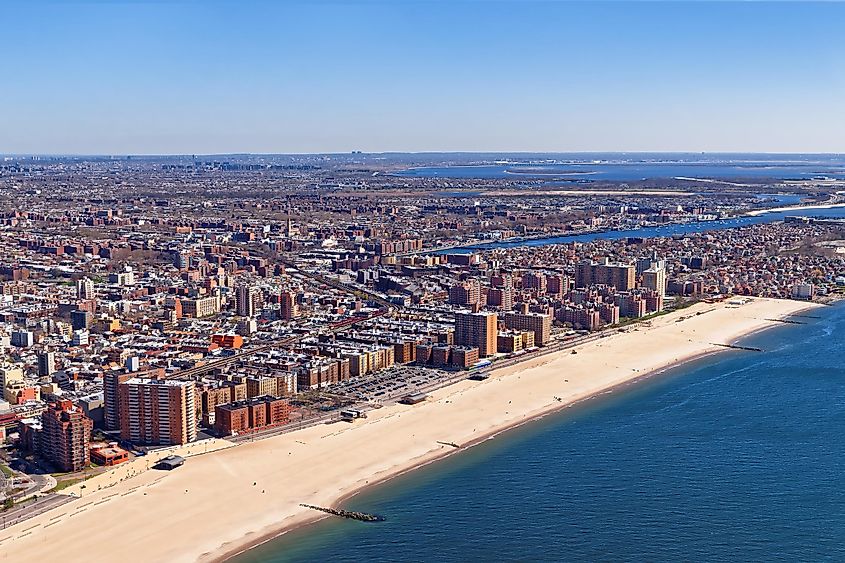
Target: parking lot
<point>395,382</point>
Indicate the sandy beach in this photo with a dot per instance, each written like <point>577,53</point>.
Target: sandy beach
<point>794,208</point>
<point>585,192</point>
<point>223,501</point>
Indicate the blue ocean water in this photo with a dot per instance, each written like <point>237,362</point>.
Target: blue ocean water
<point>734,457</point>
<point>755,168</point>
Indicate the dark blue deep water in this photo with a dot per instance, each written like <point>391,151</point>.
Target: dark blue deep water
<point>736,457</point>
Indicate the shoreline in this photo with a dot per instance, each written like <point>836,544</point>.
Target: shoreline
<point>271,536</point>
<point>586,192</point>
<point>228,556</point>
<point>233,514</point>
<point>758,212</point>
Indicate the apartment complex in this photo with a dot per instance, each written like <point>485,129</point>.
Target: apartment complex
<point>288,308</point>
<point>655,279</point>
<point>252,414</point>
<point>157,411</point>
<point>477,329</point>
<point>247,300</point>
<point>539,324</point>
<point>111,383</point>
<point>66,436</point>
<point>621,276</point>
<point>201,307</point>
<point>465,293</point>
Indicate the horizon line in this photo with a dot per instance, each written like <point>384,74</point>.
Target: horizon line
<point>399,152</point>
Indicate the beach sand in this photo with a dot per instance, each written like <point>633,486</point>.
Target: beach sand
<point>585,192</point>
<point>794,208</point>
<point>221,502</point>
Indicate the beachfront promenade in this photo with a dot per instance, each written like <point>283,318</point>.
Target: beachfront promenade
<point>223,501</point>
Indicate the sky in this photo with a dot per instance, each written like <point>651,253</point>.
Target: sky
<point>303,76</point>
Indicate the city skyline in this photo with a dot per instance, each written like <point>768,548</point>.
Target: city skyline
<point>333,77</point>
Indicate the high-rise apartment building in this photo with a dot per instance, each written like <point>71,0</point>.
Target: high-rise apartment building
<point>477,329</point>
<point>465,293</point>
<point>288,307</point>
<point>621,276</point>
<point>501,280</point>
<point>66,436</point>
<point>247,300</point>
<point>583,274</point>
<point>535,280</point>
<point>655,279</point>
<point>557,285</point>
<point>157,411</point>
<point>22,338</point>
<point>46,363</point>
<point>85,288</point>
<point>539,324</point>
<point>80,320</point>
<point>111,409</point>
<point>501,298</point>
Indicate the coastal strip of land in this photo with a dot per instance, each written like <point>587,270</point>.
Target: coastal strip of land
<point>588,192</point>
<point>221,502</point>
<point>794,208</point>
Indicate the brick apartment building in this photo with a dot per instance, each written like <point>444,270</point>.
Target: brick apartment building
<point>157,411</point>
<point>66,436</point>
<point>252,414</point>
<point>477,329</point>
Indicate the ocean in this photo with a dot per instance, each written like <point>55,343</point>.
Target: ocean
<point>736,456</point>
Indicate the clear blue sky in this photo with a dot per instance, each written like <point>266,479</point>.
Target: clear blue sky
<point>427,75</point>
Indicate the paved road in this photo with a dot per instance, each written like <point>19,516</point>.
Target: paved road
<point>32,509</point>
<point>37,484</point>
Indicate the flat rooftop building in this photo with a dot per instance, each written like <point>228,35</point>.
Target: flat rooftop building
<point>157,411</point>
<point>477,329</point>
